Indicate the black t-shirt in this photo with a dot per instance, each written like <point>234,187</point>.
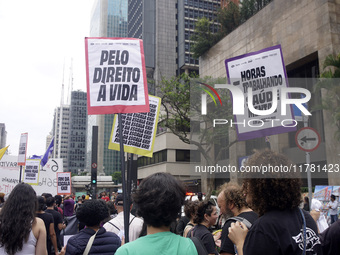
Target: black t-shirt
<point>227,246</point>
<point>281,232</point>
<point>202,233</point>
<point>330,239</point>
<point>57,219</point>
<point>48,219</point>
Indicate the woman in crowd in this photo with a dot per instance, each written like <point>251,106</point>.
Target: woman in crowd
<point>92,213</point>
<point>206,216</point>
<point>282,227</point>
<point>159,199</point>
<point>190,211</point>
<point>20,231</point>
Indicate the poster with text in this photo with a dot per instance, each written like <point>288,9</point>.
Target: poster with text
<point>139,130</point>
<point>22,149</point>
<point>116,76</point>
<point>31,173</point>
<point>9,175</point>
<point>64,183</point>
<point>259,73</point>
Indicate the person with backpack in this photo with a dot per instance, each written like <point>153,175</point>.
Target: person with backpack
<point>206,216</point>
<point>233,207</point>
<point>116,225</point>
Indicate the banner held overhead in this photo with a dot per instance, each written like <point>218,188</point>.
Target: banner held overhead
<point>116,76</point>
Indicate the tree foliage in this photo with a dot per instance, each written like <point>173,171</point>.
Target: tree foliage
<point>330,82</point>
<point>203,37</point>
<point>117,176</point>
<point>181,101</point>
<point>229,19</point>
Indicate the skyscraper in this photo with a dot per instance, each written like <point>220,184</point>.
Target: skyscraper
<point>60,133</point>
<point>109,19</point>
<point>77,132</point>
<point>3,135</point>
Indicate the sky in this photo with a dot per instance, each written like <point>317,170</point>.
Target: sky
<point>39,41</point>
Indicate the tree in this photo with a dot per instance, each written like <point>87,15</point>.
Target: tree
<point>329,82</point>
<point>181,101</point>
<point>229,18</point>
<point>117,177</point>
<point>251,7</point>
<point>203,37</point>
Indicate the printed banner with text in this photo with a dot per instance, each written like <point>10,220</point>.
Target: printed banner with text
<point>139,130</point>
<point>64,183</point>
<point>116,76</point>
<point>32,169</point>
<point>259,73</point>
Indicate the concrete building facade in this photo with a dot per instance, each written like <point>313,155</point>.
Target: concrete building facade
<point>77,132</point>
<point>60,131</point>
<point>3,135</point>
<point>308,31</point>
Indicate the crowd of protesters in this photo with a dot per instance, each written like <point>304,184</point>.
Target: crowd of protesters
<point>260,216</point>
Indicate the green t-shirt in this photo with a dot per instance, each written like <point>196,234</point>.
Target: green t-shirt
<point>163,243</point>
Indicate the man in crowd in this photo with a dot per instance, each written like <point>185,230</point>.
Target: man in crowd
<point>232,203</point>
<point>58,220</point>
<point>333,209</point>
<point>116,225</point>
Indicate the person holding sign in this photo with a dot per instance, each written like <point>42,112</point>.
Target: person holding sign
<point>20,231</point>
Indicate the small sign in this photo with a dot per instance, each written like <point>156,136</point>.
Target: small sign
<point>94,165</point>
<point>307,139</point>
<point>64,183</point>
<point>139,130</point>
<point>22,149</point>
<point>31,173</point>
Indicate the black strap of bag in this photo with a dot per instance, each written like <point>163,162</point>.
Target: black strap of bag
<point>201,250</point>
<point>304,232</point>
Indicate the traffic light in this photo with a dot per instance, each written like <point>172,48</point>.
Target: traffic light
<point>94,179</point>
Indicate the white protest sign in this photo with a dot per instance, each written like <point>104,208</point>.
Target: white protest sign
<point>64,183</point>
<point>260,72</point>
<point>139,130</point>
<point>9,175</point>
<point>116,76</point>
<point>22,149</point>
<point>31,173</point>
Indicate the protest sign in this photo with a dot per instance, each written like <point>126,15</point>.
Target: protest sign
<point>22,149</point>
<point>31,173</point>
<point>64,183</point>
<point>139,130</point>
<point>9,175</point>
<point>116,76</point>
<point>260,72</point>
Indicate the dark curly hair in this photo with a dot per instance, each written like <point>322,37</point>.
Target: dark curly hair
<point>205,207</point>
<point>92,212</point>
<point>280,191</point>
<point>159,199</point>
<point>41,203</point>
<point>190,208</point>
<point>233,194</point>
<point>16,218</point>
